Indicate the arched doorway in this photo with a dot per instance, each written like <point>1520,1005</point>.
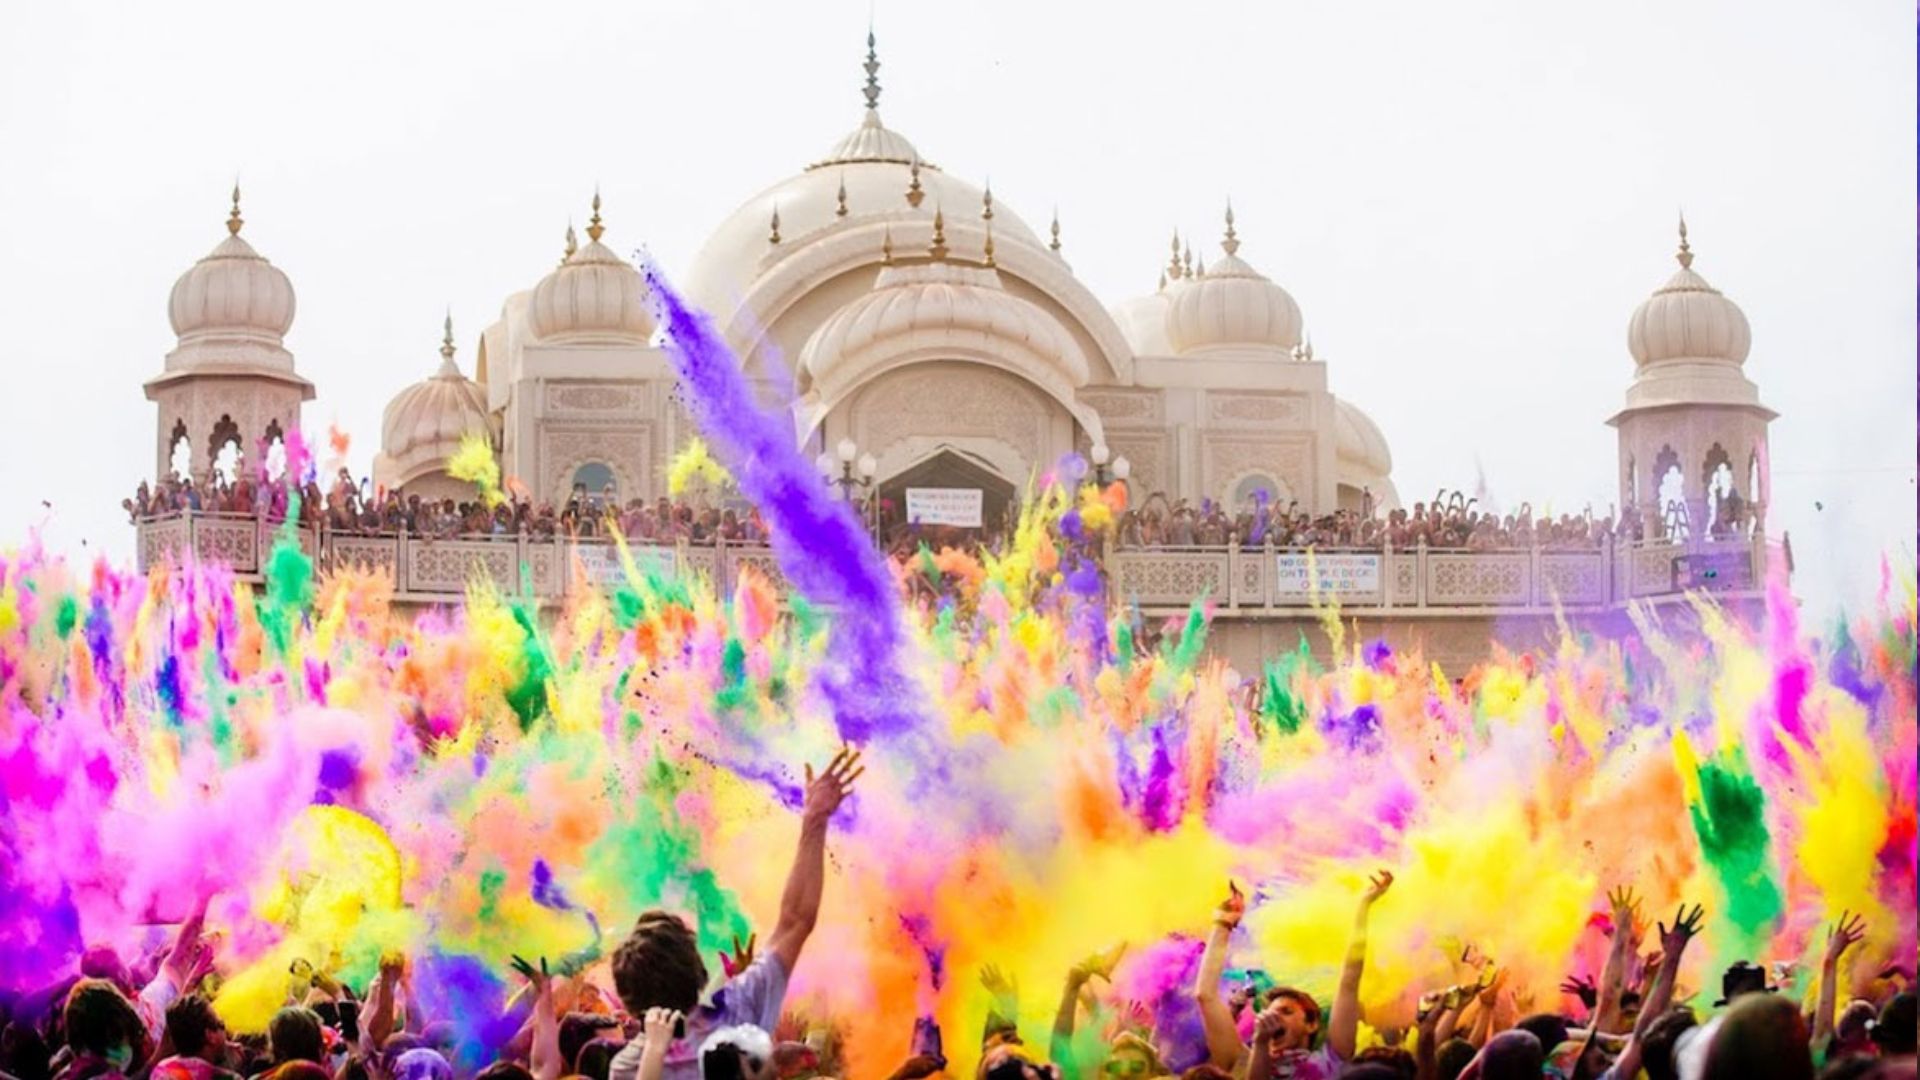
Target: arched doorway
<point>952,469</point>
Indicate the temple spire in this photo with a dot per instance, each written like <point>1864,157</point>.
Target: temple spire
<point>447,367</point>
<point>573,245</point>
<point>1053,245</point>
<point>872,66</point>
<point>234,220</point>
<point>987,250</point>
<point>773,229</point>
<point>914,194</point>
<point>594,228</point>
<point>1173,263</point>
<point>1231,243</point>
<point>1685,255</point>
<point>886,246</point>
<point>938,249</point>
<point>986,202</point>
<point>840,206</point>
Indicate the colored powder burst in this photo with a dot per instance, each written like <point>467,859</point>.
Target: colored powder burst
<point>474,463</point>
<point>695,463</point>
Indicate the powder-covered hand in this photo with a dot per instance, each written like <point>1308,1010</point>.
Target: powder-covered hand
<point>828,790</point>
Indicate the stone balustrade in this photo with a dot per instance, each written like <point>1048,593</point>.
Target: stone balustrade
<point>1248,581</point>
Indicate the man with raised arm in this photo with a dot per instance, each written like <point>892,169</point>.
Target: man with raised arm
<point>659,965</point>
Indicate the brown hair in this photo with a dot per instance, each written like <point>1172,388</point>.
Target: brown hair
<point>659,965</point>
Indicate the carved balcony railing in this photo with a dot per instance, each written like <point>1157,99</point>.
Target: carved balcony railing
<point>1249,581</point>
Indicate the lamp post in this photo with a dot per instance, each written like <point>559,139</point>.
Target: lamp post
<point>855,471</point>
<point>1107,469</point>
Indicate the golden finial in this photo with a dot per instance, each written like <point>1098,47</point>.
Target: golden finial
<point>1232,243</point>
<point>1306,347</point>
<point>1686,251</point>
<point>773,233</point>
<point>234,221</point>
<point>886,246</point>
<point>1173,263</point>
<point>594,229</point>
<point>840,210</point>
<point>938,249</point>
<point>1200,267</point>
<point>573,245</point>
<point>988,249</point>
<point>1163,282</point>
<point>986,202</point>
<point>914,194</point>
<point>1186,261</point>
<point>872,65</point>
<point>1053,245</point>
<point>446,342</point>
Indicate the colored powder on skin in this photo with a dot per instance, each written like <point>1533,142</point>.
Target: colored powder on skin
<point>822,549</point>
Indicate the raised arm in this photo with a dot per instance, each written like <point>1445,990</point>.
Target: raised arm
<point>1845,934</point>
<point>1343,1027</point>
<point>800,903</point>
<point>1607,1006</point>
<point>1216,1020</point>
<point>543,1057</point>
<point>1673,944</point>
<point>1100,966</point>
<point>379,1019</point>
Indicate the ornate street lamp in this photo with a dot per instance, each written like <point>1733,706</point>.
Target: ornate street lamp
<point>1105,471</point>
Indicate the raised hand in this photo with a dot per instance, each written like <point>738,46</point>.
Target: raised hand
<point>1377,886</point>
<point>191,956</point>
<point>536,977</point>
<point>998,984</point>
<point>1582,987</point>
<point>662,1026</point>
<point>1100,965</point>
<point>1625,907</point>
<point>741,958</point>
<point>1232,909</point>
<point>828,790</point>
<point>1493,980</point>
<point>1685,925</point>
<point>1845,935</point>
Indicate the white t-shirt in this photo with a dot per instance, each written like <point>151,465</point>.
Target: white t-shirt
<point>752,997</point>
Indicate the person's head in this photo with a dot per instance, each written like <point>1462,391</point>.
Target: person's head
<point>353,1068</point>
<point>1009,1061</point>
<point>1396,1060</point>
<point>1762,1037</point>
<point>294,1035</point>
<point>577,1029</point>
<point>1549,1028</point>
<point>1297,1018</point>
<point>100,1021</point>
<point>1206,1071</point>
<point>1130,1057</point>
<point>504,1070</point>
<point>595,1059</point>
<point>1453,1057</point>
<point>193,1028</point>
<point>1662,1035</point>
<point>659,966</point>
<point>421,1063</point>
<point>24,1055</point>
<point>1512,1055</point>
<point>743,1052</point>
<point>1372,1070</point>
<point>1894,1030</point>
<point>1854,1029</point>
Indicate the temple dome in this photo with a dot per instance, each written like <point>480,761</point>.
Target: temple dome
<point>1231,307</point>
<point>1688,319</point>
<point>594,297</point>
<point>232,295</point>
<point>424,424</point>
<point>939,303</point>
<point>1358,442</point>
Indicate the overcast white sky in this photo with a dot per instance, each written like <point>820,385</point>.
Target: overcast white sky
<point>1467,199</point>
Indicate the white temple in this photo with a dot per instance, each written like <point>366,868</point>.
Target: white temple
<point>887,303</point>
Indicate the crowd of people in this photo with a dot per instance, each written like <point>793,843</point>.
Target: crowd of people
<point>1450,520</point>
<point>652,1011</point>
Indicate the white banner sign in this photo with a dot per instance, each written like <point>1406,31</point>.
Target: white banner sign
<point>1341,576</point>
<point>944,506</point>
<point>600,563</point>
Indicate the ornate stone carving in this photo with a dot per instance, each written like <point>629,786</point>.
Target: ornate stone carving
<point>1227,460</point>
<point>1242,410</point>
<point>446,566</point>
<point>161,541</point>
<point>627,450</point>
<point>1124,408</point>
<point>230,541</point>
<point>543,566</point>
<point>1171,578</point>
<point>595,398</point>
<point>379,553</point>
<point>1250,577</point>
<point>1573,577</point>
<point>954,400</point>
<point>760,559</point>
<point>1406,579</point>
<point>1478,578</point>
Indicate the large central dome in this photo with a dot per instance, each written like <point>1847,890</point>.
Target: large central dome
<point>872,173</point>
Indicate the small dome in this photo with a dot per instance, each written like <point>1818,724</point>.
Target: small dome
<point>1688,319</point>
<point>594,297</point>
<point>232,294</point>
<point>1143,322</point>
<point>937,300</point>
<point>871,141</point>
<point>1231,307</point>
<point>424,424</point>
<point>1357,441</point>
